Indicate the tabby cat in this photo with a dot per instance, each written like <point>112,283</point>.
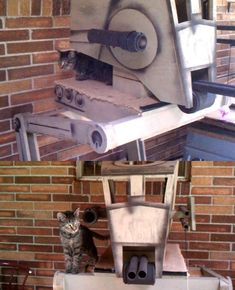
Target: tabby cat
<point>77,240</point>
<point>85,66</point>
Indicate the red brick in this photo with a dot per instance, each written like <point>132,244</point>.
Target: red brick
<point>97,198</point>
<point>13,35</point>
<point>176,236</point>
<point>2,49</point>
<point>3,7</point>
<point>5,126</point>
<point>57,206</point>
<point>50,33</point>
<point>27,72</point>
<point>34,214</point>
<point>4,101</point>
<point>203,200</point>
<point>212,190</point>
<point>32,179</point>
<point>7,213</point>
<point>45,57</point>
<point>46,223</point>
<point>225,200</point>
<point>62,44</point>
<point>33,197</point>
<point>56,8</point>
<point>202,218</point>
<point>7,247</point>
<point>7,231</point>
<point>224,163</point>
<point>14,188</point>
<point>7,196</point>
<point>225,181</point>
<point>5,150</point>
<point>195,255</point>
<point>47,240</point>
<point>223,237</point>
<point>212,171</point>
<point>9,113</point>
<point>2,75</point>
<point>86,187</point>
<point>213,228</point>
<point>210,246</point>
<point>27,22</point>
<point>45,273</point>
<point>36,7</point>
<point>37,264</point>
<point>47,7</point>
<point>49,81</point>
<point>16,222</point>
<point>16,60</point>
<point>72,171</point>
<point>16,256</point>
<point>25,7</point>
<point>7,138</point>
<point>29,46</point>
<point>17,239</point>
<point>35,248</point>
<point>16,86</point>
<point>66,7</point>
<point>222,256</point>
<point>13,8</point>
<point>96,188</point>
<point>213,209</point>
<point>65,163</point>
<point>53,257</point>
<point>7,163</point>
<point>32,163</point>
<point>70,198</point>
<point>49,171</point>
<point>62,180</point>
<point>14,171</point>
<point>34,231</point>
<point>32,96</point>
<point>50,188</point>
<point>226,219</point>
<point>62,21</point>
<point>202,181</point>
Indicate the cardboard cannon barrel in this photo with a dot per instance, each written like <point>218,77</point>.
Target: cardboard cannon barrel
<point>143,267</point>
<point>139,271</point>
<point>130,40</point>
<point>92,214</point>
<point>164,46</point>
<point>132,268</point>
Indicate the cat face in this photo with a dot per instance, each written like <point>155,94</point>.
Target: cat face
<point>69,221</point>
<point>67,59</point>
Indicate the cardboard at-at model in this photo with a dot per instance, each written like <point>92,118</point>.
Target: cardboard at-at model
<point>174,45</point>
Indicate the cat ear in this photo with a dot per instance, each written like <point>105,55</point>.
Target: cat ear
<point>60,217</point>
<point>76,213</point>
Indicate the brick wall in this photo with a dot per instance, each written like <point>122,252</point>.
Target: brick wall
<point>32,193</point>
<point>30,33</point>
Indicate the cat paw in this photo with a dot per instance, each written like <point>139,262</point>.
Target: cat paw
<point>75,271</point>
<point>68,271</point>
<point>81,77</point>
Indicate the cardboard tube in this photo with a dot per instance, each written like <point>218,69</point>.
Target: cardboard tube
<point>132,268</point>
<point>143,267</point>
